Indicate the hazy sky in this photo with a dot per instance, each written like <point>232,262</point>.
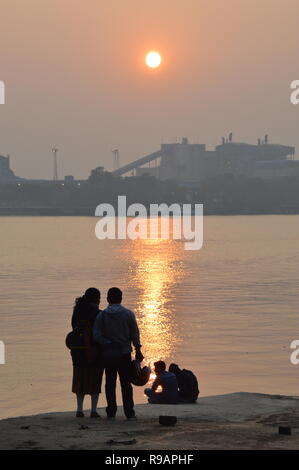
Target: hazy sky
<point>75,77</point>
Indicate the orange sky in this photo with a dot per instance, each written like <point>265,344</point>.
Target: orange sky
<point>75,77</point>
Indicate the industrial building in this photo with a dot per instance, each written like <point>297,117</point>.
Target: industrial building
<point>6,174</point>
<point>191,163</point>
<point>188,163</point>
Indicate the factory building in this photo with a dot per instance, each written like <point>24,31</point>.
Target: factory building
<point>188,163</point>
<point>6,174</point>
<point>191,163</point>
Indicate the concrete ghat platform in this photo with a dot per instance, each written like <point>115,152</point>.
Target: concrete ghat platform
<point>232,421</point>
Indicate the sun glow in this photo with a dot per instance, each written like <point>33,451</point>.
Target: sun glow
<point>153,59</point>
<point>154,272</point>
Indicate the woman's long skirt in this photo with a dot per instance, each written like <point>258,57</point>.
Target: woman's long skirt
<point>87,380</point>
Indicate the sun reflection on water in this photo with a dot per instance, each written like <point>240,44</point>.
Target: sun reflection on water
<point>156,267</point>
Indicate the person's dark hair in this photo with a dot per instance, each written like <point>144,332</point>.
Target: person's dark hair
<point>174,368</point>
<point>160,366</point>
<point>114,295</point>
<point>92,295</point>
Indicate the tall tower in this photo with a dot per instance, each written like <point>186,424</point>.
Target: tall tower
<point>116,161</point>
<point>55,174</point>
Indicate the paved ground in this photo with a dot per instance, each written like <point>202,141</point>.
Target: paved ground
<point>233,421</point>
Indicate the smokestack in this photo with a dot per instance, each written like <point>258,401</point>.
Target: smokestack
<point>55,172</point>
<point>115,159</point>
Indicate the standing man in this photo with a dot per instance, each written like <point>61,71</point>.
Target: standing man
<point>116,330</point>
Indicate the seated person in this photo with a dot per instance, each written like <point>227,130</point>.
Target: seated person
<point>168,383</point>
<point>187,382</point>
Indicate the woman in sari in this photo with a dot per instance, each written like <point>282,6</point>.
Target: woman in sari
<point>87,364</point>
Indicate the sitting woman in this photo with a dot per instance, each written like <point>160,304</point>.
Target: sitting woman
<point>187,382</point>
<point>87,364</point>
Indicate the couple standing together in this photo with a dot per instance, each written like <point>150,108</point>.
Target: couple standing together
<point>108,336</point>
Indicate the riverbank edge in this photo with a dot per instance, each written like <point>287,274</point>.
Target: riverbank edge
<point>232,421</point>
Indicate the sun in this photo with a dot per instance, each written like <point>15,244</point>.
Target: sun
<point>153,59</point>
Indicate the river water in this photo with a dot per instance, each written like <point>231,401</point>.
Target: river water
<point>228,311</point>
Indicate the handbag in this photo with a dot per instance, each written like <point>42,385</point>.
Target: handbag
<point>79,341</point>
<point>139,375</point>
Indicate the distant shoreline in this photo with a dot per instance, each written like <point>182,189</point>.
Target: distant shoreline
<point>64,213</point>
<point>86,212</point>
